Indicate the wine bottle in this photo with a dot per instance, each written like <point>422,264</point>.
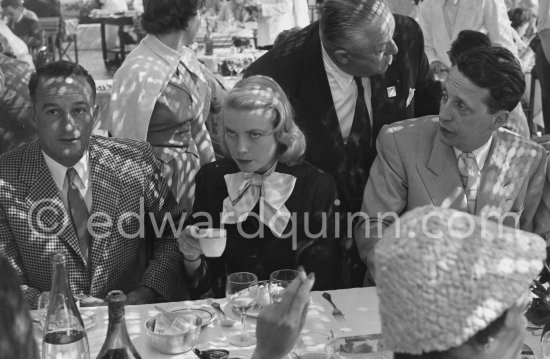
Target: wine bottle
<point>208,42</point>
<point>64,333</point>
<point>117,344</point>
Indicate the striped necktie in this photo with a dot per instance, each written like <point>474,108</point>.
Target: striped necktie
<point>79,213</point>
<point>469,172</point>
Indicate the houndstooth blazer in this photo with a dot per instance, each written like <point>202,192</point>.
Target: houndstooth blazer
<point>127,187</point>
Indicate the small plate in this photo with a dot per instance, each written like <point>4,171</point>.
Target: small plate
<point>207,314</point>
<point>89,319</point>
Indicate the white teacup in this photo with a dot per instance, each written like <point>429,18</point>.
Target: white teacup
<point>212,241</point>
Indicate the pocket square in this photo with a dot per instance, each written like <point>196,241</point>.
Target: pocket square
<point>411,95</point>
<point>391,91</point>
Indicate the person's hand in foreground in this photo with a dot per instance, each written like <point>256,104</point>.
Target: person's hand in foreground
<point>280,324</point>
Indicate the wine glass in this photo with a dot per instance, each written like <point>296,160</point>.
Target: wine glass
<point>230,66</point>
<point>238,66</point>
<point>278,281</point>
<point>241,290</point>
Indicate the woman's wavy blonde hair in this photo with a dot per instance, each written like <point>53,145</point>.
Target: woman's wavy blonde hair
<point>263,93</point>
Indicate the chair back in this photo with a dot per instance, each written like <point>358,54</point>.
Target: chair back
<point>50,25</point>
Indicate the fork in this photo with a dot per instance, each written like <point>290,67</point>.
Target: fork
<point>336,313</point>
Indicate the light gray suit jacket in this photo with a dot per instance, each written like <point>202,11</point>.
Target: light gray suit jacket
<point>414,168</point>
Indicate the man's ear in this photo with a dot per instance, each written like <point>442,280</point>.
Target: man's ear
<point>32,116</point>
<point>499,119</point>
<point>96,114</point>
<point>341,56</point>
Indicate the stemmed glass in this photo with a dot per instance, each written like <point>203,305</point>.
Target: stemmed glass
<point>241,290</point>
<point>278,281</point>
<point>230,66</point>
<point>238,66</point>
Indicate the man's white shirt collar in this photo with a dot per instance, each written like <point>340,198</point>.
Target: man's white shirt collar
<point>343,79</point>
<point>59,172</point>
<point>481,153</point>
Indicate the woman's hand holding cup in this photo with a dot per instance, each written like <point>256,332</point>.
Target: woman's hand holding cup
<point>189,243</point>
<point>212,241</point>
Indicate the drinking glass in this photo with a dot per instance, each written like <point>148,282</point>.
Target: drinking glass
<point>278,281</point>
<point>241,290</point>
<point>238,66</point>
<point>42,307</point>
<point>230,66</point>
<point>313,345</point>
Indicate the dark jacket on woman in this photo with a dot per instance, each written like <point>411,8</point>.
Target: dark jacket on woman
<point>312,200</point>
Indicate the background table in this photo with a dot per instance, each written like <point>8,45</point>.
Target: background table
<point>115,20</point>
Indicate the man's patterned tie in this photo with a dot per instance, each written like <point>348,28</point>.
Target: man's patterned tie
<point>79,213</point>
<point>469,172</point>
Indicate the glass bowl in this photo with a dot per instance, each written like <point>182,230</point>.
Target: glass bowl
<point>178,342</point>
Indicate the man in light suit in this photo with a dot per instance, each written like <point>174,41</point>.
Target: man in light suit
<point>463,159</point>
<point>86,195</point>
<point>320,66</point>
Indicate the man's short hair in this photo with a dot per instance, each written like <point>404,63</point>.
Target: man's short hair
<point>498,70</point>
<point>63,69</point>
<point>467,40</point>
<point>12,3</point>
<point>519,16</point>
<point>165,16</point>
<point>342,20</point>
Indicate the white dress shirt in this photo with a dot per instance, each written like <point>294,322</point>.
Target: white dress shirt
<point>481,153</point>
<point>450,9</point>
<point>276,16</point>
<point>344,94</point>
<point>543,18</point>
<point>59,175</point>
<point>442,20</point>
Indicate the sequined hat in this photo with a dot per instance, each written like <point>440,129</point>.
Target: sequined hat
<point>443,275</point>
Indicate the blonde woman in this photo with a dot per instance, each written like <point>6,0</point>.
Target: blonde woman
<point>277,209</point>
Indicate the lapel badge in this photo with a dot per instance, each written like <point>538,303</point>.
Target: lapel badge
<point>391,91</point>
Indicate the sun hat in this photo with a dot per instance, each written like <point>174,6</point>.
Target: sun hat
<point>443,275</point>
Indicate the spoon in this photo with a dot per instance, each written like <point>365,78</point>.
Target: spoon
<point>161,309</point>
<point>225,322</point>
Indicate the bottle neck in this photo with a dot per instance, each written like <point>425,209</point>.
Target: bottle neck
<point>60,280</point>
<point>117,334</point>
<point>117,320</point>
<point>117,328</point>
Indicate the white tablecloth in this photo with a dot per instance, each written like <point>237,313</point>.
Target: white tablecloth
<point>360,307</point>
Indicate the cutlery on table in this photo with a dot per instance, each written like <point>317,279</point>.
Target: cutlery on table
<point>161,309</point>
<point>336,313</point>
<point>225,322</point>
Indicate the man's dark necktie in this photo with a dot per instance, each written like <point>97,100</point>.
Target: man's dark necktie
<point>79,213</point>
<point>359,141</point>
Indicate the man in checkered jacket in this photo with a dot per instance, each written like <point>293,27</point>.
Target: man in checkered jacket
<point>89,196</point>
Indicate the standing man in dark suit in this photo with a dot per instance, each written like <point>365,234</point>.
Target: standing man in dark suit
<point>356,69</point>
<point>87,195</point>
